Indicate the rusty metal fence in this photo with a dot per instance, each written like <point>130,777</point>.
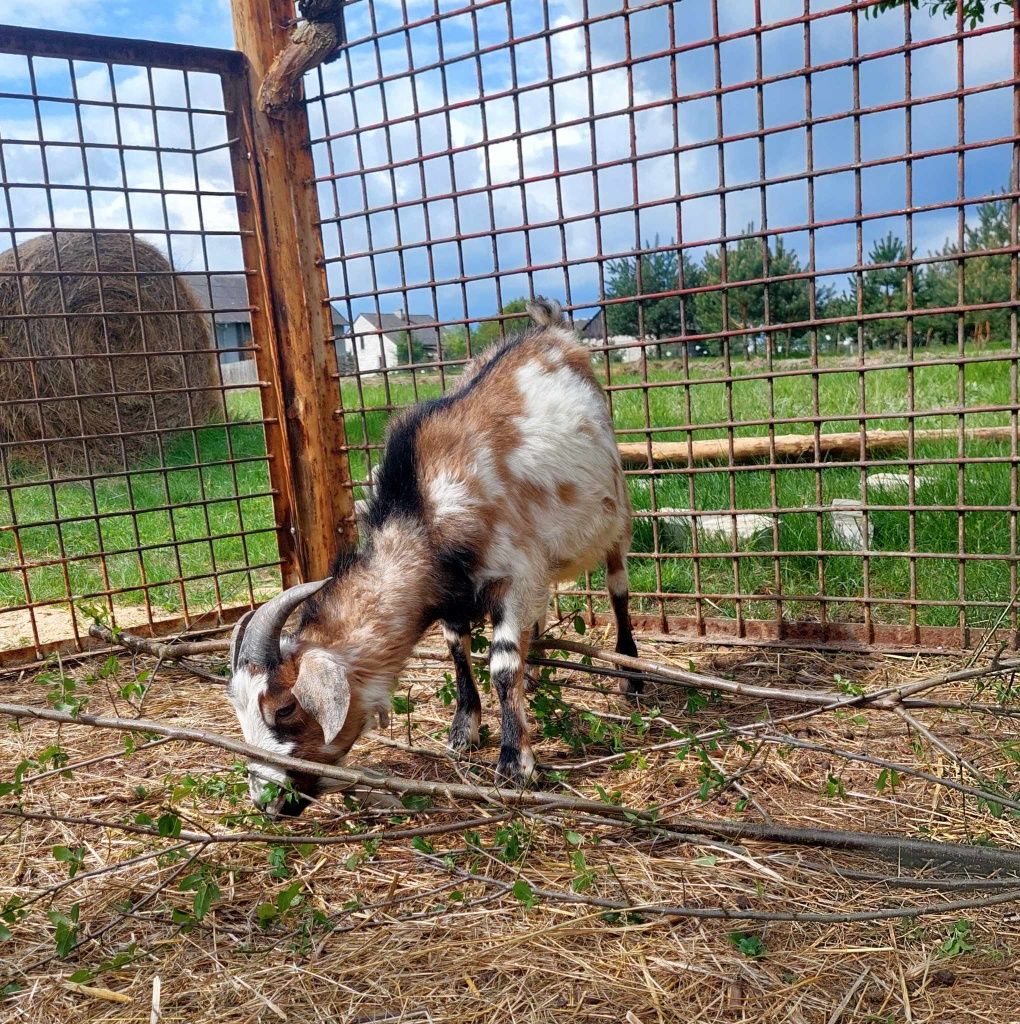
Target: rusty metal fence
<point>788,232</point>
<point>139,471</point>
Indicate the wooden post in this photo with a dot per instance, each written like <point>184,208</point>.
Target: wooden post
<point>324,503</point>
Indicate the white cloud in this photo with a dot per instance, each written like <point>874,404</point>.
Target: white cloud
<point>68,15</point>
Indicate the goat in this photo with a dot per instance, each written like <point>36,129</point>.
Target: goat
<point>485,497</point>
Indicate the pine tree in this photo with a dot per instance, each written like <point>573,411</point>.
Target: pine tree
<point>659,271</point>
<point>745,307</point>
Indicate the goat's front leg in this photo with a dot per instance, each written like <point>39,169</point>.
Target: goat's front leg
<point>506,666</point>
<point>468,716</point>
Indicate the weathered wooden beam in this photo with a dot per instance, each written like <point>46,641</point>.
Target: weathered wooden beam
<point>789,447</point>
<point>324,506</point>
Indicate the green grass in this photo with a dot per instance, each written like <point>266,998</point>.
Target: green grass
<point>152,511</point>
<point>936,529</point>
<point>234,504</point>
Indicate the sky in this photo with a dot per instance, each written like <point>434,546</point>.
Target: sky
<point>379,219</point>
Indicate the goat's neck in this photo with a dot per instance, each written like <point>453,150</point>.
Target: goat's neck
<point>372,616</point>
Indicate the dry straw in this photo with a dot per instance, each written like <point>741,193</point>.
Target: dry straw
<point>466,908</point>
<point>141,355</point>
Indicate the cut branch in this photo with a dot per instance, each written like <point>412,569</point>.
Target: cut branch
<point>177,651</point>
<point>311,42</point>
<point>907,850</point>
<point>725,913</point>
<point>789,447</point>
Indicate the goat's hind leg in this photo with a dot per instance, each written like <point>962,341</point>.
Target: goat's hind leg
<point>464,729</point>
<point>619,595</point>
<point>506,666</point>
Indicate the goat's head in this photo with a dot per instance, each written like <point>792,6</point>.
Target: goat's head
<point>291,698</point>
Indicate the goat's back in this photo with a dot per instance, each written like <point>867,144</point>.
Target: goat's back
<point>517,465</point>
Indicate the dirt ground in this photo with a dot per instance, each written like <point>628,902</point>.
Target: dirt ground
<point>537,914</point>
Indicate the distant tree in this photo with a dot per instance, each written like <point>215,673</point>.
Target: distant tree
<point>410,349</point>
<point>837,306</point>
<point>883,290</point>
<point>488,331</point>
<point>454,342</point>
<point>745,307</point>
<point>986,279</point>
<point>974,11</point>
<point>651,273</point>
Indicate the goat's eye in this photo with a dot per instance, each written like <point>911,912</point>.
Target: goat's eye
<point>286,711</point>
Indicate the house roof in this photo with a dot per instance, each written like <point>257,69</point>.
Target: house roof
<point>395,323</point>
<point>227,294</point>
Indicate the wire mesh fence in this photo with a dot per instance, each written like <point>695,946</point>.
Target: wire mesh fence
<point>135,445</point>
<point>788,233</point>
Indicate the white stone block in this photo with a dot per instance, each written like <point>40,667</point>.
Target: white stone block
<point>847,521</point>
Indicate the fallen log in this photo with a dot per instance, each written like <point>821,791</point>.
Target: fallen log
<point>789,447</point>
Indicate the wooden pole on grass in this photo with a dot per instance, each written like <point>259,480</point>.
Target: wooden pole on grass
<point>324,502</point>
<point>794,446</point>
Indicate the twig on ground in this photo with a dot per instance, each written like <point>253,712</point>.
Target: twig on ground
<point>907,849</point>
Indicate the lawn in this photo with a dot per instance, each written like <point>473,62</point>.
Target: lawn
<point>182,536</point>
<point>202,517</point>
<point>937,528</point>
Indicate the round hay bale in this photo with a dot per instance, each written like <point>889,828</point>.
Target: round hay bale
<point>97,341</point>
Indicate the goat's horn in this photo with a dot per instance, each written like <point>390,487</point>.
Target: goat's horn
<point>256,638</point>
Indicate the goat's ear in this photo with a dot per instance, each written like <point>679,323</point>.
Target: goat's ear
<point>322,690</point>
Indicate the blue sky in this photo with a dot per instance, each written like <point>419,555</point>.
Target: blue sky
<point>430,188</point>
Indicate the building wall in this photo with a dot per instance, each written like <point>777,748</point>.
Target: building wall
<point>371,355</point>
<point>232,336</point>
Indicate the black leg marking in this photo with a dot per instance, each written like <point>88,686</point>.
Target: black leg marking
<point>468,716</point>
<point>619,596</point>
<point>506,664</point>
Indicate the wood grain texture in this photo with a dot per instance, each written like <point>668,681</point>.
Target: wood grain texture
<point>324,507</point>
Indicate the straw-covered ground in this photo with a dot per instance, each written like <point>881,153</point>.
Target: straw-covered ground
<point>129,893</point>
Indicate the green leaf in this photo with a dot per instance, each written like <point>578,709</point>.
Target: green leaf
<point>579,626</point>
<point>206,893</point>
<point>708,861</point>
<point>287,897</point>
<point>5,933</point>
<point>752,946</point>
<point>169,825</point>
<point>574,838</point>
<point>522,891</point>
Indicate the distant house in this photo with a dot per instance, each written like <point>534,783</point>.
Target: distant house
<point>594,332</point>
<point>227,295</point>
<point>380,340</point>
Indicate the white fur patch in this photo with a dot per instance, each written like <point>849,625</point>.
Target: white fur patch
<point>451,636</point>
<point>244,692</point>
<point>617,582</point>
<point>566,438</point>
<point>504,661</point>
<point>449,496</point>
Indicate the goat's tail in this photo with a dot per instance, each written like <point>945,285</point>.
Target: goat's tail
<point>546,313</point>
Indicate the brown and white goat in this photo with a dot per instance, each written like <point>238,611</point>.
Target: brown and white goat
<point>486,496</point>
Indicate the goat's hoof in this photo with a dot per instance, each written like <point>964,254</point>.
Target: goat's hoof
<point>632,688</point>
<point>515,768</point>
<point>464,732</point>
